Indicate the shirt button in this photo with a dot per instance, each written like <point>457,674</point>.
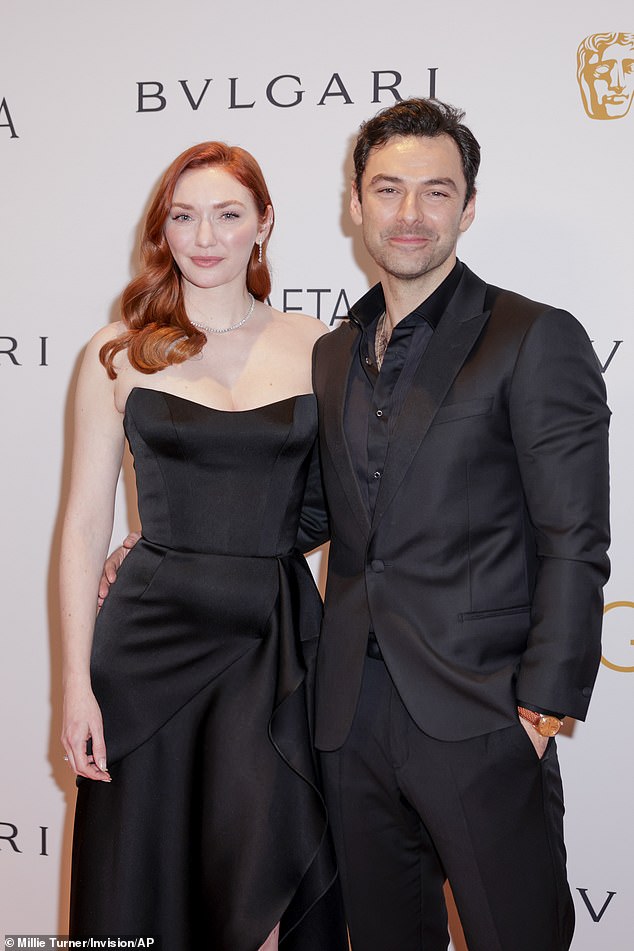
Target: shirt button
<point>379,412</point>
<point>377,475</point>
<point>368,361</point>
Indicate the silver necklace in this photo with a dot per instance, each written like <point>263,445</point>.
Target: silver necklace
<point>226,330</point>
<point>381,340</point>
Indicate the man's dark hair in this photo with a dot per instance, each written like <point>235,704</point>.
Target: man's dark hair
<point>427,118</point>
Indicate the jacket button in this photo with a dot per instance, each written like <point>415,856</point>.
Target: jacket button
<point>377,566</point>
<point>586,691</point>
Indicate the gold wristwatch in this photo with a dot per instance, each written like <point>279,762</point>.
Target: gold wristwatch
<point>545,723</point>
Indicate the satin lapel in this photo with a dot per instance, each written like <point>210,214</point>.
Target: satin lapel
<point>448,349</point>
<point>339,362</point>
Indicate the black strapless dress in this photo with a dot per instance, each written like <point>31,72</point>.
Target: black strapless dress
<point>213,828</point>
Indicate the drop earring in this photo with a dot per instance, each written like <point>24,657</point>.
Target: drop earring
<point>260,251</point>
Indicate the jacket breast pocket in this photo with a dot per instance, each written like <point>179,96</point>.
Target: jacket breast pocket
<point>463,410</point>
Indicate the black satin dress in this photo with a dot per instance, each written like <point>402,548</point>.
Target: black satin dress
<point>213,828</point>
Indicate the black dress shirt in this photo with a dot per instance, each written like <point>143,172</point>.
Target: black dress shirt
<point>375,399</point>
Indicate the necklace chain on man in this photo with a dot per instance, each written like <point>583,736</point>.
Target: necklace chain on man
<point>226,330</point>
<point>381,340</point>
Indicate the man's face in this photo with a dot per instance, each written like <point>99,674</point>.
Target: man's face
<point>412,207</point>
<point>611,81</point>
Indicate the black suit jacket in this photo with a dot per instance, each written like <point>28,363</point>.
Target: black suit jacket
<point>481,569</point>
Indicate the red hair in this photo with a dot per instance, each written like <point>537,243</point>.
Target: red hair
<point>152,307</point>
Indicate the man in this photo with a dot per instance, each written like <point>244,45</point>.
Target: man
<point>463,434</point>
<point>605,72</point>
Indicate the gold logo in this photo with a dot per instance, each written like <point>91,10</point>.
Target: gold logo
<point>605,73</point>
<point>621,668</point>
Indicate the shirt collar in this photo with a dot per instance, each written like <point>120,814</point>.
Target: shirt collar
<point>371,305</point>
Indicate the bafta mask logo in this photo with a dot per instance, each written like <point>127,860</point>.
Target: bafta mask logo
<point>605,73</point>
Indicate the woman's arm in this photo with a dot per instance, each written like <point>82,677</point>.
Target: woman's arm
<point>87,526</point>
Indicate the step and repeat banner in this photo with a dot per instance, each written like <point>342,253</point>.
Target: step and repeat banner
<point>95,101</point>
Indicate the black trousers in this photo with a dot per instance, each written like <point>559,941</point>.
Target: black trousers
<point>408,811</point>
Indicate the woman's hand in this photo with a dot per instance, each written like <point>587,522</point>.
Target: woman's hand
<point>82,722</point>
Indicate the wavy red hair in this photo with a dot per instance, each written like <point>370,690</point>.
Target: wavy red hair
<point>152,306</point>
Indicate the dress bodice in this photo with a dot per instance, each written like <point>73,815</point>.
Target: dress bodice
<point>209,480</point>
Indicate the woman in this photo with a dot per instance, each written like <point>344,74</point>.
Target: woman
<point>186,714</point>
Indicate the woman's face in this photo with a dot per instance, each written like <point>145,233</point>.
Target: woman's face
<point>212,226</point>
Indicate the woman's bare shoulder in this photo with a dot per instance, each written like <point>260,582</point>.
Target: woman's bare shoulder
<point>306,328</point>
<point>91,362</point>
<point>106,334</point>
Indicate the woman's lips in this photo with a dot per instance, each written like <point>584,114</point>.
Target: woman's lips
<point>205,261</point>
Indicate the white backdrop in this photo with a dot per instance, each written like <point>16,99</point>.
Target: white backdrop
<point>82,143</point>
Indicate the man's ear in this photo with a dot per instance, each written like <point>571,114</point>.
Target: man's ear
<point>468,214</point>
<point>356,212</point>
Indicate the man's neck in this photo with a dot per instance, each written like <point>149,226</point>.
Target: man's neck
<point>402,296</point>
